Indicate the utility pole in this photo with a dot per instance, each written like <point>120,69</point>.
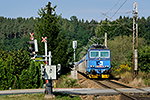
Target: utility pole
<point>106,40</point>
<point>135,40</point>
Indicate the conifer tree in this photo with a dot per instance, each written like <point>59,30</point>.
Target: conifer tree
<point>3,78</point>
<point>24,79</point>
<point>30,77</point>
<point>40,81</point>
<point>15,84</point>
<point>47,26</point>
<point>33,75</point>
<point>9,72</point>
<point>20,61</point>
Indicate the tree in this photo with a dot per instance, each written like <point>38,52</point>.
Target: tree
<point>20,61</point>
<point>61,55</point>
<point>121,47</point>
<point>47,26</point>
<point>9,72</point>
<point>144,59</point>
<point>24,79</point>
<point>3,77</point>
<point>30,78</point>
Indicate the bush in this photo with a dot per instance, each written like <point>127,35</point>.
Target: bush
<point>122,69</point>
<point>65,82</point>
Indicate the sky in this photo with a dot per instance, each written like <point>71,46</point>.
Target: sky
<point>82,9</point>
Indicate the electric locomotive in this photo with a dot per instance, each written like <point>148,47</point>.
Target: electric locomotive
<point>96,63</point>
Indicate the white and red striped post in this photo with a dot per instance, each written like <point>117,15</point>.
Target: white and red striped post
<point>45,40</point>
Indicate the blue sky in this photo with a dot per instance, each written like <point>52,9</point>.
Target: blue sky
<point>83,9</point>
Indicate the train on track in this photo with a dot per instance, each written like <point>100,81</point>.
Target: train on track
<point>96,63</point>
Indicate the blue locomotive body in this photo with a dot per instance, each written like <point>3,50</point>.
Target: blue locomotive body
<point>96,63</point>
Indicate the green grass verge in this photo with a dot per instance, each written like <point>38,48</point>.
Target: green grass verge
<point>39,96</point>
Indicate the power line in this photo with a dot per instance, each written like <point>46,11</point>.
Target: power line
<point>104,24</point>
<point>119,8</point>
<point>116,21</point>
<point>112,7</point>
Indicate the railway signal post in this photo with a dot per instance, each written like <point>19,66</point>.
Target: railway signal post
<point>48,71</point>
<point>74,73</point>
<point>33,46</point>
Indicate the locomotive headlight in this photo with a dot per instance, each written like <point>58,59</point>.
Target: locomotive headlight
<point>91,66</point>
<point>106,66</point>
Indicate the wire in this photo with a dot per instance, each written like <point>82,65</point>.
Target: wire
<point>117,21</point>
<point>111,8</point>
<point>104,24</point>
<point>119,8</point>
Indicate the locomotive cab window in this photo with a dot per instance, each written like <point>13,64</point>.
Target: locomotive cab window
<point>94,54</point>
<point>104,54</point>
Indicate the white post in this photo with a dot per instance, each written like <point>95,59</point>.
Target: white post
<point>46,51</point>
<point>136,59</point>
<point>74,59</point>
<point>44,40</point>
<point>74,73</point>
<point>50,57</point>
<point>106,40</point>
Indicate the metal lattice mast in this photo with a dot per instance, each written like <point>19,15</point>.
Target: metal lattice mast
<point>135,39</point>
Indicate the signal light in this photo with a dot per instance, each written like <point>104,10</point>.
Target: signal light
<point>33,48</point>
<point>59,69</point>
<point>42,71</point>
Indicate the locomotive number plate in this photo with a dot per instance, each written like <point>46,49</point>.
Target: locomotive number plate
<point>99,66</point>
<point>105,76</point>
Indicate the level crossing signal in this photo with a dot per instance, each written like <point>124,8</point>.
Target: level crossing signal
<point>33,48</point>
<point>59,69</point>
<point>42,71</point>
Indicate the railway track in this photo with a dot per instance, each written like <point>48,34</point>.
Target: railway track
<point>111,84</point>
<point>108,84</point>
<point>134,94</point>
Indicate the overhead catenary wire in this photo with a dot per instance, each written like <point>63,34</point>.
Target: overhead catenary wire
<point>104,24</point>
<point>119,8</point>
<point>112,7</point>
<point>116,21</point>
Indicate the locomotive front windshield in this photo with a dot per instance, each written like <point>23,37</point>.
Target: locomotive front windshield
<point>94,54</point>
<point>102,54</point>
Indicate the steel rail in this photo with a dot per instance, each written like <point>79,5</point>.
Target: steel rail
<point>104,85</point>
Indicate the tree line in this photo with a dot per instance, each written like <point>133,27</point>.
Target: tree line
<point>17,71</point>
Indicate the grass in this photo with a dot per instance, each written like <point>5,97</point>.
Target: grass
<point>23,97</point>
<point>142,80</point>
<point>66,82</point>
<point>39,96</point>
<point>63,82</point>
